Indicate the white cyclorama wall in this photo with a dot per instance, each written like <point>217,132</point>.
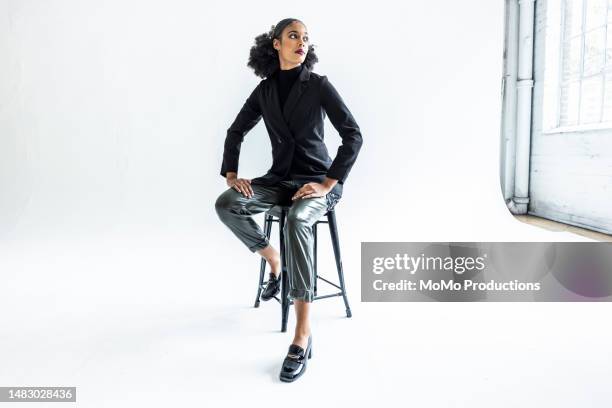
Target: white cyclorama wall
<point>570,172</point>
<point>113,114</point>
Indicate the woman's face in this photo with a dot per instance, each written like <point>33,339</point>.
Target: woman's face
<point>293,48</point>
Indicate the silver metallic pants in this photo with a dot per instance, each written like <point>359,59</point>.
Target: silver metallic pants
<point>236,210</point>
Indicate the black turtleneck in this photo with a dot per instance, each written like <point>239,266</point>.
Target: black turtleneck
<point>285,80</point>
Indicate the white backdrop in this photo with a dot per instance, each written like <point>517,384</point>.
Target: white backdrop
<point>114,113</point>
<point>119,274</point>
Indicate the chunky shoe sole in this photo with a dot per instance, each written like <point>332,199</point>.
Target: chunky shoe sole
<point>308,352</point>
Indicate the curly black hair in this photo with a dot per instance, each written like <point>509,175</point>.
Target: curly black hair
<point>263,58</point>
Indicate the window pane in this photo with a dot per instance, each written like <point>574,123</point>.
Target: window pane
<point>594,47</point>
<point>573,18</point>
<point>590,100</point>
<point>607,110</point>
<point>569,104</point>
<point>571,59</point>
<point>595,13</point>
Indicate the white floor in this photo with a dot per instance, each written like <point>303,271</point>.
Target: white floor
<point>157,321</point>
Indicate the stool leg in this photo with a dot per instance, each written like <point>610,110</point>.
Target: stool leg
<point>315,273</point>
<point>262,269</point>
<point>333,230</point>
<point>284,277</point>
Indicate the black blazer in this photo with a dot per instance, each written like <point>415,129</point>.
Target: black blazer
<point>296,133</point>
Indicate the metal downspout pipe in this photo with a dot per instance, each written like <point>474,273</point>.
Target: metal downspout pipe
<point>524,85</point>
<point>508,141</point>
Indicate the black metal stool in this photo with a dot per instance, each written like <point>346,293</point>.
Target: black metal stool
<point>279,214</point>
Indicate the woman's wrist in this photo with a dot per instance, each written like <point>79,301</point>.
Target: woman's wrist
<point>329,183</point>
<point>230,176</point>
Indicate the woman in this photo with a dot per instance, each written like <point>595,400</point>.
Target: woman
<point>293,102</point>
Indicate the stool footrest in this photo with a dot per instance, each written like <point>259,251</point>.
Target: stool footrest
<point>328,296</point>
<point>331,283</point>
<point>314,298</point>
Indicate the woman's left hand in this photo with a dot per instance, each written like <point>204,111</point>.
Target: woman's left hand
<point>311,189</point>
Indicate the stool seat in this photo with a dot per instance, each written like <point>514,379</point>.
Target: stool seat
<point>277,209</point>
<point>278,214</point>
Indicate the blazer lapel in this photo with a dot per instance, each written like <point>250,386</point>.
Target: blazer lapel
<point>275,99</point>
<point>277,112</point>
<point>296,91</point>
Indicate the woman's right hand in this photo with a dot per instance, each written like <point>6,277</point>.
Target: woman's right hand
<point>241,185</point>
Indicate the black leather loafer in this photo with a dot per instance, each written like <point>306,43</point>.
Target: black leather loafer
<point>296,361</point>
<point>272,288</point>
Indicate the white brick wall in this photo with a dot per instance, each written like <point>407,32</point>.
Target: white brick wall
<point>570,173</point>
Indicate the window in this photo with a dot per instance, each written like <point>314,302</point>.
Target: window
<point>585,77</point>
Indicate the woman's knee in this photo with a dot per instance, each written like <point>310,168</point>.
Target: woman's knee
<point>227,201</point>
<point>306,213</point>
<point>296,217</point>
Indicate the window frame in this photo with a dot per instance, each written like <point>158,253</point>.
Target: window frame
<point>580,77</point>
